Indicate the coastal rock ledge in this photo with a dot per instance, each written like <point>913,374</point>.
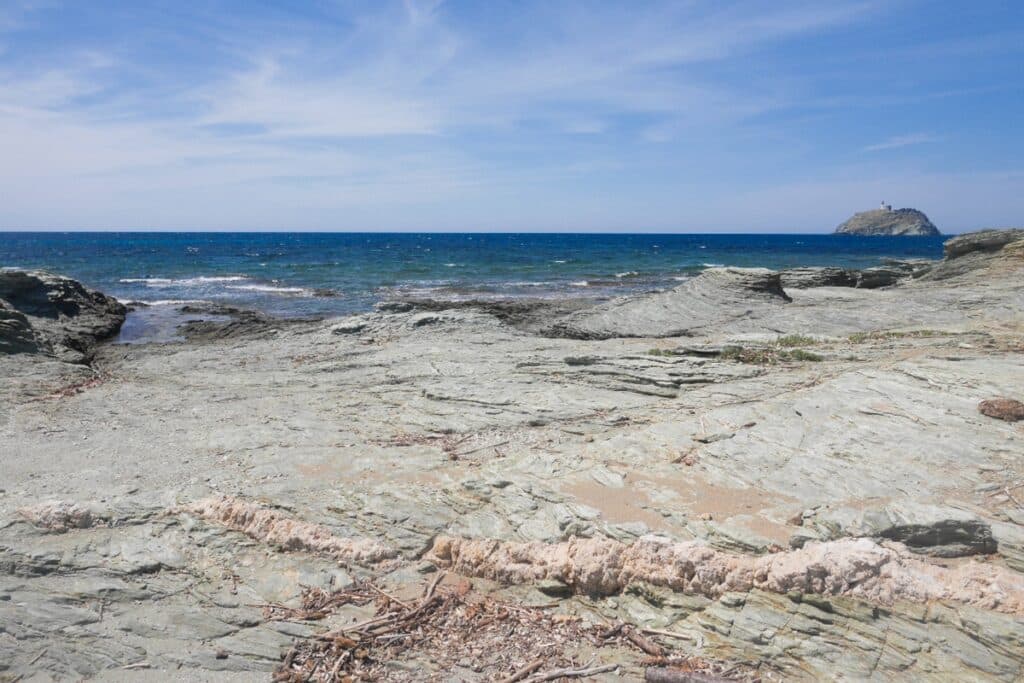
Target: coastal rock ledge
<point>887,221</point>
<point>54,315</point>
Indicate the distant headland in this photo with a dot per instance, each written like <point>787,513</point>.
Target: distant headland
<point>888,221</point>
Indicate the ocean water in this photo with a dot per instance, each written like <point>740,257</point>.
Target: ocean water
<point>330,274</point>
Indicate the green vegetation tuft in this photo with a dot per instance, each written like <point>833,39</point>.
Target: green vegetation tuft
<point>791,340</point>
<point>770,355</point>
<point>880,335</point>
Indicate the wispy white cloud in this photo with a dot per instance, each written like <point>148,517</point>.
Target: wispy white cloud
<point>350,113</point>
<point>898,141</point>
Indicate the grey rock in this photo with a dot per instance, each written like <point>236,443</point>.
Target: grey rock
<point>359,435</point>
<point>888,222</point>
<point>716,296</point>
<point>802,278</point>
<point>980,241</point>
<point>16,335</point>
<point>975,251</point>
<point>880,276</point>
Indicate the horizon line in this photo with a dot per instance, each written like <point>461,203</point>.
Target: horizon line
<point>276,231</point>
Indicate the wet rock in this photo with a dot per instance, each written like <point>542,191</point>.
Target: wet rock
<point>1008,409</point>
<point>232,323</point>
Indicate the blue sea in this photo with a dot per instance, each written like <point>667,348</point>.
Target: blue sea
<point>330,274</point>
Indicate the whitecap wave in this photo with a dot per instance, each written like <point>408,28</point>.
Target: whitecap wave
<point>628,273</point>
<point>713,265</point>
<point>270,289</point>
<point>182,282</point>
<point>147,280</point>
<point>163,302</point>
<point>580,283</point>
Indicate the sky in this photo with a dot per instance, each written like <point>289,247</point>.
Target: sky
<point>649,116</point>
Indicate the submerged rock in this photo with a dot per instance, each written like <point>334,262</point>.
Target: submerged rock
<point>889,222</point>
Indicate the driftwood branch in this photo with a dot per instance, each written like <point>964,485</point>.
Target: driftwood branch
<point>524,672</point>
<point>665,675</point>
<point>572,673</point>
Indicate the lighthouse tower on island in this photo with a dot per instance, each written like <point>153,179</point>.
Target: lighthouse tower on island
<point>885,207</point>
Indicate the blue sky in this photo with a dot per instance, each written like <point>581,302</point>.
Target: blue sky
<point>468,116</point>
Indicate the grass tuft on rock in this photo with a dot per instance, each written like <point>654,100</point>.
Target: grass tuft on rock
<point>884,335</point>
<point>792,340</point>
<point>769,355</point>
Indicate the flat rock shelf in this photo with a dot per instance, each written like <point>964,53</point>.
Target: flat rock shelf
<point>754,476</point>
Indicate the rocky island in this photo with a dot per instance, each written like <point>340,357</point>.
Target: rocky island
<point>754,476</point>
<point>888,221</point>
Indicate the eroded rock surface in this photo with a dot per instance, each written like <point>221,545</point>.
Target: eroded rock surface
<point>829,500</point>
<point>715,297</point>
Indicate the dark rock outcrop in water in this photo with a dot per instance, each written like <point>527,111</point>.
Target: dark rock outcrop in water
<point>886,221</point>
<point>55,315</point>
<point>716,296</point>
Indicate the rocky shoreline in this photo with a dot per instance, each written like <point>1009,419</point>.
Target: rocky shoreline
<point>756,475</point>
